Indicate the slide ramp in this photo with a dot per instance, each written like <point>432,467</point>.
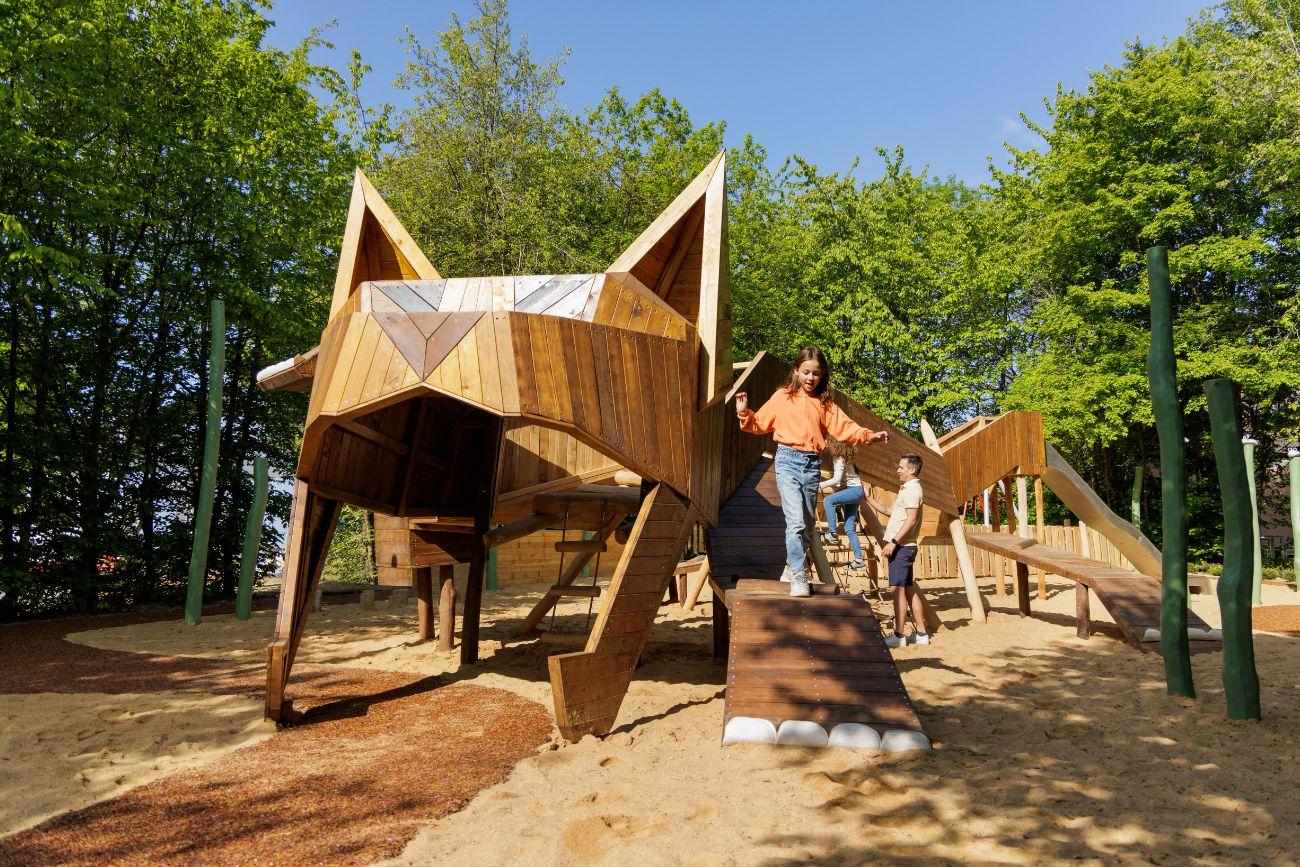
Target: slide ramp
<point>1132,599</point>
<point>813,672</point>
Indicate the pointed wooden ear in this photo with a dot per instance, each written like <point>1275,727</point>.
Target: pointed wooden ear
<point>375,245</point>
<point>682,258</point>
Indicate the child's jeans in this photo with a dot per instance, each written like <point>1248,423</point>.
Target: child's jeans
<point>797,476</point>
<point>849,498</point>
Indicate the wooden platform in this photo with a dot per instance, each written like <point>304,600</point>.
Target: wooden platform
<point>1132,599</point>
<point>799,668</point>
<point>749,540</point>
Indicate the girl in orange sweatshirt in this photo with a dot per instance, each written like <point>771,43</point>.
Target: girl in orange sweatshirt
<point>799,415</point>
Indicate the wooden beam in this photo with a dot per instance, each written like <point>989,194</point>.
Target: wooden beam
<point>1040,525</point>
<point>693,219</point>
<point>424,599</point>
<point>417,433</point>
<point>517,529</point>
<point>446,607</point>
<point>570,574</point>
<point>1082,619</point>
<point>1022,588</point>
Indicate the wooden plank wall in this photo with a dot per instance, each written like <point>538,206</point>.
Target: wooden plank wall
<point>937,558</point>
<point>627,390</point>
<point>739,451</point>
<point>1013,444</point>
<point>535,454</point>
<point>392,550</point>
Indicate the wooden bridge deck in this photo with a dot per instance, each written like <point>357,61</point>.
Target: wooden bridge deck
<point>819,660</point>
<point>1131,598</point>
<point>817,663</point>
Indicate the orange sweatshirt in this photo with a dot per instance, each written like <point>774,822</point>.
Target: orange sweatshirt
<point>802,422</point>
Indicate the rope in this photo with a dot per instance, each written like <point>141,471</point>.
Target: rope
<point>595,574</point>
<point>564,535</point>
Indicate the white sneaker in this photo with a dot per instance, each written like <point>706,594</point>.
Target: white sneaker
<point>893,639</point>
<point>921,637</point>
<point>800,588</point>
<point>786,574</point>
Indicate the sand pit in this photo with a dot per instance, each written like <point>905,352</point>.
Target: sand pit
<point>1047,747</point>
<point>63,752</point>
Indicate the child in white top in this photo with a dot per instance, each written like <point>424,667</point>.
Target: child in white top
<point>848,495</point>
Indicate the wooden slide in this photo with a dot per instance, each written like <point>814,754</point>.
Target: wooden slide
<point>1132,599</point>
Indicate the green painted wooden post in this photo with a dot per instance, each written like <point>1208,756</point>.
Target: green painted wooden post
<point>1136,504</point>
<point>252,542</point>
<point>1240,680</point>
<point>208,480</point>
<point>1294,466</point>
<point>1257,575</point>
<point>492,568</point>
<point>1163,376</point>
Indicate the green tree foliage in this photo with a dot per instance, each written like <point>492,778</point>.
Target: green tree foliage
<point>155,156</point>
<point>1177,146</point>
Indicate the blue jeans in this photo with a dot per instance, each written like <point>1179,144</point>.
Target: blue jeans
<point>849,498</point>
<point>797,476</point>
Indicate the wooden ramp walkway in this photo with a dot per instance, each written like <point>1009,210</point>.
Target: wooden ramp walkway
<point>813,672</point>
<point>749,540</point>
<point>1132,599</point>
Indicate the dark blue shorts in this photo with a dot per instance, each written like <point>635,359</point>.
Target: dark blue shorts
<point>900,566</point>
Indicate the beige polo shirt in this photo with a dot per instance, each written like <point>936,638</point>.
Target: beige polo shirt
<point>909,497</point>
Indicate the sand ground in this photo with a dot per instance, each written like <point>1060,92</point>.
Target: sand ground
<point>1046,747</point>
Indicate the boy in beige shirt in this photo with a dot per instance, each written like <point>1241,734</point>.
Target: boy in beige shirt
<point>900,550</point>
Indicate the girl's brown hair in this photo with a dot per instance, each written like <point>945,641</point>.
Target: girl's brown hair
<point>823,390</point>
<point>838,449</point>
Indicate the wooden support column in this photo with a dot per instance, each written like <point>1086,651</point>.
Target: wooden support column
<point>995,524</point>
<point>1083,623</point>
<point>424,601</point>
<point>1022,588</point>
<point>721,627</point>
<point>473,607</point>
<point>311,530</point>
<point>446,607</point>
<point>964,565</point>
<point>1041,535</point>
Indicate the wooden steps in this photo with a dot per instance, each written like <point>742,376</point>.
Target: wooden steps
<point>1132,599</point>
<point>813,672</point>
<point>580,546</point>
<point>586,591</point>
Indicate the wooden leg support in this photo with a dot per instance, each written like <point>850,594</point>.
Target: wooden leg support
<point>1083,623</point>
<point>446,607</point>
<point>311,528</point>
<point>424,601</point>
<point>589,686</point>
<point>721,627</point>
<point>1022,588</point>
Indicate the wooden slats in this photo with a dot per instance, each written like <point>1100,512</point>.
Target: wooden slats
<point>589,686</point>
<point>1133,600</point>
<point>821,659</point>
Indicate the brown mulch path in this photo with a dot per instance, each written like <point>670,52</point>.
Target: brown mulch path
<point>349,785</point>
<point>376,755</point>
<point>1276,618</point>
<point>34,657</point>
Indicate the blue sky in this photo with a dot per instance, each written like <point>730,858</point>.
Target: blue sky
<point>829,81</point>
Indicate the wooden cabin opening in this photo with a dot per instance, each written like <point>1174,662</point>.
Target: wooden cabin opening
<point>429,455</point>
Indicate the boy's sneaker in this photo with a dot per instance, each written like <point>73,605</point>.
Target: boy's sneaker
<point>830,538</point>
<point>921,637</point>
<point>858,565</point>
<point>799,587</point>
<point>896,640</point>
<point>786,574</point>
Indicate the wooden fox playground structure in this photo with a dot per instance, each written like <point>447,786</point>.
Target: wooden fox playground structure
<point>480,410</point>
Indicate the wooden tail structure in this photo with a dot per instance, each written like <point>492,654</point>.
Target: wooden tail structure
<point>1133,599</point>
